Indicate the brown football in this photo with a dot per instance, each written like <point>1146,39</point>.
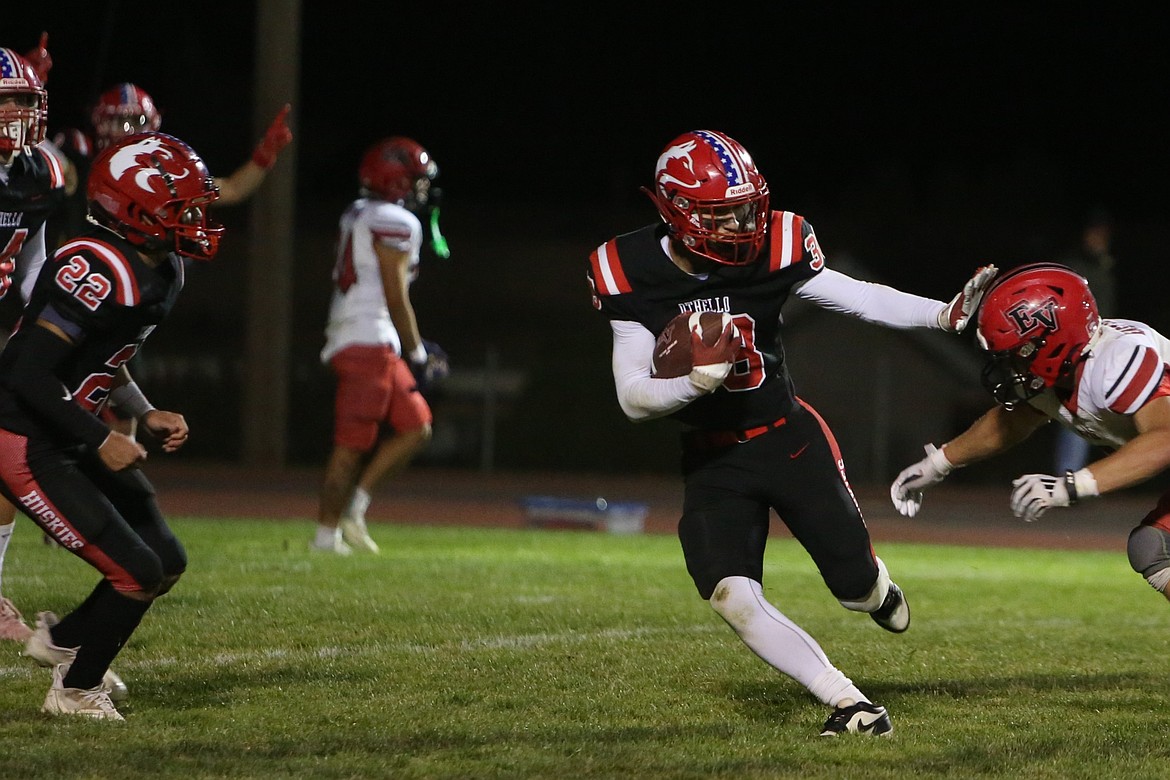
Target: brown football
<point>672,349</point>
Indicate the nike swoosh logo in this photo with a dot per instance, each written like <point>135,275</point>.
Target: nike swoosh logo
<point>864,727</point>
<point>798,453</point>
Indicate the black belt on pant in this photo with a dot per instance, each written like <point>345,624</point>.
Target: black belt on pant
<point>711,440</point>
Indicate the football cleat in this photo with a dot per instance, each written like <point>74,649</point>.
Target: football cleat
<point>355,534</point>
<point>12,625</point>
<point>894,613</point>
<point>90,702</point>
<point>337,546</point>
<point>41,649</point>
<point>860,718</point>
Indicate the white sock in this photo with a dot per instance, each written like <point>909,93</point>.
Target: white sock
<point>5,535</point>
<point>780,642</point>
<point>326,536</point>
<point>358,505</point>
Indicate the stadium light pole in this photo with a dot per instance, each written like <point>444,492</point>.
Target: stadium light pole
<point>265,407</point>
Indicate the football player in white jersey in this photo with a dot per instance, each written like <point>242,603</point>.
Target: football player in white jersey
<point>1052,357</point>
<point>372,341</point>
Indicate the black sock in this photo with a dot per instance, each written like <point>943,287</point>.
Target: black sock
<point>112,619</point>
<point>72,628</point>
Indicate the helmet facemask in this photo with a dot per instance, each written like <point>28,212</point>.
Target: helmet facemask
<point>1008,376</point>
<point>729,231</point>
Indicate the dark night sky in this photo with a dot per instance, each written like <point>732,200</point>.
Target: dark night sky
<point>909,130</point>
<point>923,139</point>
<point>908,133</point>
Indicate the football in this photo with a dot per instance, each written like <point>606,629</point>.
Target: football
<point>672,349</point>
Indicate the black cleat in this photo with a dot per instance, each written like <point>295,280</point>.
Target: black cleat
<point>860,718</point>
<point>894,613</point>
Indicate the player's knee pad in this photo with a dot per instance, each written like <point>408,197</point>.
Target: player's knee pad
<point>737,600</point>
<point>1149,555</point>
<point>876,595</point>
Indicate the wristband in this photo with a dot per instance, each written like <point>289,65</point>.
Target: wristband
<point>418,355</point>
<point>1070,487</point>
<point>130,399</point>
<point>1080,485</point>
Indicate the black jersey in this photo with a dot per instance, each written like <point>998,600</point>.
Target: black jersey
<point>97,289</point>
<point>633,279</point>
<point>35,188</point>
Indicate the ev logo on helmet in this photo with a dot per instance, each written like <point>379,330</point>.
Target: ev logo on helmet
<point>1028,318</point>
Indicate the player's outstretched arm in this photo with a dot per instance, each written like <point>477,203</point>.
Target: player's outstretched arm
<point>1139,459</point>
<point>996,431</point>
<point>246,179</point>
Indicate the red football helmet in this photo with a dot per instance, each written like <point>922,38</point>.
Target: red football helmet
<point>24,104</point>
<point>122,110</point>
<point>399,170</point>
<point>1036,323</point>
<point>712,197</point>
<point>153,190</point>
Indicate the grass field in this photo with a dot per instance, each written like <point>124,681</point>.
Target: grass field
<point>462,653</point>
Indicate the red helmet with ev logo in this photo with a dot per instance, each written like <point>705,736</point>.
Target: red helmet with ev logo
<point>1036,322</point>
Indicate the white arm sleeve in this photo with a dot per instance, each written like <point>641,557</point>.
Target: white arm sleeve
<point>30,261</point>
<point>641,396</point>
<point>871,302</point>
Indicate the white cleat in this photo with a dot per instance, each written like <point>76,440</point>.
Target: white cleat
<point>41,649</point>
<point>12,625</point>
<point>355,534</point>
<point>335,547</point>
<point>92,702</point>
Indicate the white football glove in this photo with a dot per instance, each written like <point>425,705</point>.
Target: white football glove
<point>957,314</point>
<point>1035,494</point>
<point>906,491</point>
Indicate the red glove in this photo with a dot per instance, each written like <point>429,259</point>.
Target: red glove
<point>7,267</point>
<point>39,58</point>
<point>710,364</point>
<point>275,138</point>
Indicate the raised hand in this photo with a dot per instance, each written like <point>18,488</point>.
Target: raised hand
<point>275,138</point>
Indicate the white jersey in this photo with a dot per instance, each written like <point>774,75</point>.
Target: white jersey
<point>1129,364</point>
<point>358,313</point>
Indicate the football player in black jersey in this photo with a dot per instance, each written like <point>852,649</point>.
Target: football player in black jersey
<point>32,184</point>
<point>750,445</point>
<point>94,303</point>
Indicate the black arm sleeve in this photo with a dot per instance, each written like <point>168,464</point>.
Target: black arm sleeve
<point>32,378</point>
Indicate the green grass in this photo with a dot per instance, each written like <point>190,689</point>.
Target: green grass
<point>472,653</point>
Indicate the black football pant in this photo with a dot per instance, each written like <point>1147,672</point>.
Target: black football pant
<point>110,520</point>
<point>795,469</point>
